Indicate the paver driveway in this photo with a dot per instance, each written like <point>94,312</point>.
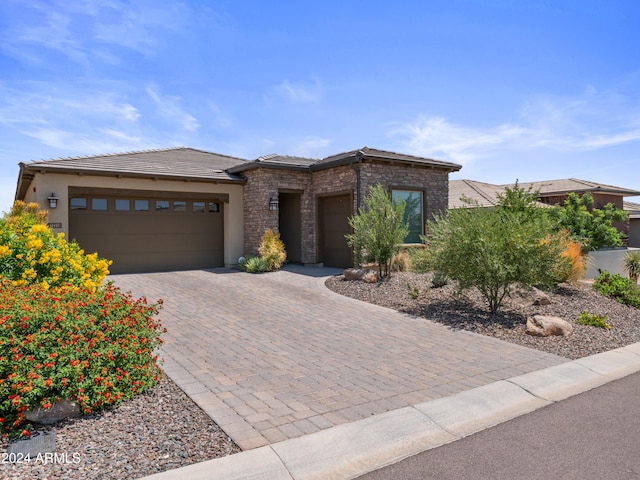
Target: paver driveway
<point>275,356</point>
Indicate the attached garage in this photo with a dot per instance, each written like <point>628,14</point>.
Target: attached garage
<point>149,231</point>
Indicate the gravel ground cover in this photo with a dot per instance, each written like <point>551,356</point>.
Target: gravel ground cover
<point>158,430</point>
<point>470,312</point>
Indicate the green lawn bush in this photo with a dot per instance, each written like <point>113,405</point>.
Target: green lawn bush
<point>616,286</point>
<point>96,347</point>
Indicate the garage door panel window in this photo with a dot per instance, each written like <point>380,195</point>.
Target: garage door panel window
<point>141,205</point>
<point>214,207</point>
<point>123,204</point>
<point>413,212</point>
<point>162,205</point>
<point>99,204</point>
<point>198,207</point>
<point>78,203</point>
<point>179,206</point>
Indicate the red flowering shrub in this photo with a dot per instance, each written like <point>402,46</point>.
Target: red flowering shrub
<point>93,346</point>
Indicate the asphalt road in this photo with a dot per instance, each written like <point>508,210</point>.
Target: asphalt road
<point>594,435</point>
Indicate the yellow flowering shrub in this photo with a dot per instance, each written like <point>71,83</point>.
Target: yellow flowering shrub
<point>31,253</point>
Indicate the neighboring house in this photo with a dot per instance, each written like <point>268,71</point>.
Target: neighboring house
<point>552,192</point>
<point>183,208</point>
<point>634,223</point>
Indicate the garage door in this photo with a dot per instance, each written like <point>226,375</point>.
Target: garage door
<point>334,213</point>
<point>146,234</point>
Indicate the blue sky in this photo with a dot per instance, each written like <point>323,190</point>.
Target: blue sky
<point>527,90</point>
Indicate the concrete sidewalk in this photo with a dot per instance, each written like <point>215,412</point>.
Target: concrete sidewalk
<point>350,450</point>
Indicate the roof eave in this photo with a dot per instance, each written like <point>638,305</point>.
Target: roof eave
<point>32,170</point>
<point>353,158</point>
<point>274,166</point>
<point>619,192</point>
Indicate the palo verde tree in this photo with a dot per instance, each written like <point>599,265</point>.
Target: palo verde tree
<point>378,229</point>
<point>494,249</point>
<point>593,227</point>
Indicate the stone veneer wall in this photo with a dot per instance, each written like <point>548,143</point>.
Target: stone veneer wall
<point>264,183</point>
<point>434,182</point>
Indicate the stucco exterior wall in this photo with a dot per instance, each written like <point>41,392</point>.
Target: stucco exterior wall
<point>43,185</point>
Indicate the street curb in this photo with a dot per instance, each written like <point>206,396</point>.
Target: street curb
<point>353,449</point>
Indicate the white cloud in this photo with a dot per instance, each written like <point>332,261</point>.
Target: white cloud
<point>586,122</point>
<point>99,141</point>
<point>169,108</point>
<point>309,92</point>
<point>310,147</point>
<point>86,31</point>
<point>52,105</point>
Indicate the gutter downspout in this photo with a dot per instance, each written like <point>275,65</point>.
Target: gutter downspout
<point>357,170</point>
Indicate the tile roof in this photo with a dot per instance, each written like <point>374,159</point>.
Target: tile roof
<point>372,153</point>
<point>633,208</point>
<point>275,161</point>
<point>175,163</point>
<point>485,194</point>
<point>558,187</point>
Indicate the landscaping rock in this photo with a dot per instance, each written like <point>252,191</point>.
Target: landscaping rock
<point>539,297</point>
<point>65,408</point>
<point>371,276</point>
<point>544,326</point>
<point>360,274</point>
<point>353,274</point>
<point>531,296</point>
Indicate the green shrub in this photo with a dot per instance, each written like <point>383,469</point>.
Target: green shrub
<point>419,260</point>
<point>439,279</point>
<point>593,320</point>
<point>378,230</point>
<point>616,286</point>
<point>632,265</point>
<point>253,264</point>
<point>94,347</point>
<point>413,291</point>
<point>495,249</point>
<point>272,250</point>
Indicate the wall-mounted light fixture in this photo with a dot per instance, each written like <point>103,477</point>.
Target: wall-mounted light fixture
<point>273,204</point>
<point>53,200</point>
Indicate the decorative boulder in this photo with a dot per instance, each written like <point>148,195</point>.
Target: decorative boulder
<point>65,408</point>
<point>360,274</point>
<point>371,276</point>
<point>531,296</point>
<point>544,326</point>
<point>539,297</point>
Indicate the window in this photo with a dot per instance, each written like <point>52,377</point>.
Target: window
<point>78,203</point>
<point>141,205</point>
<point>412,212</point>
<point>123,204</point>
<point>179,206</point>
<point>198,207</point>
<point>162,205</point>
<point>98,204</point>
<point>214,207</point>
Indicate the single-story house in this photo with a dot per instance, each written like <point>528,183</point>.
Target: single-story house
<point>184,208</point>
<point>553,192</point>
